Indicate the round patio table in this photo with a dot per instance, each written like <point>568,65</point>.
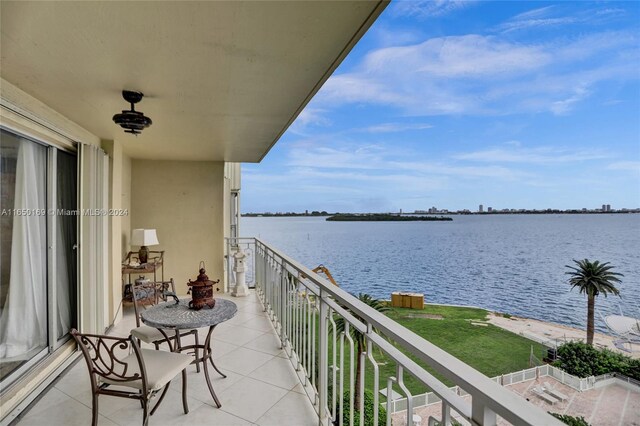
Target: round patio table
<point>178,316</point>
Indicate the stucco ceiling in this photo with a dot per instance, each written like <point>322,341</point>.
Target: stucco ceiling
<point>222,80</point>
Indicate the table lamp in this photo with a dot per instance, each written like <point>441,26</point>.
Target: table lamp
<point>144,238</point>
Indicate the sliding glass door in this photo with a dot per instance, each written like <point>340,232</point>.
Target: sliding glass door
<point>37,256</point>
<point>65,243</point>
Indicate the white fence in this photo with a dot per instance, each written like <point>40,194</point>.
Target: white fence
<point>512,378</point>
<point>569,380</point>
<point>617,376</point>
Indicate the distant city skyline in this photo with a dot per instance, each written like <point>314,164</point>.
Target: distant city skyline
<point>605,208</point>
<point>525,104</point>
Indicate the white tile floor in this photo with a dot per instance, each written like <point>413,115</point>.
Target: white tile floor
<point>261,386</point>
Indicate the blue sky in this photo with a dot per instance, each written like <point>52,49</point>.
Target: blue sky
<point>455,104</point>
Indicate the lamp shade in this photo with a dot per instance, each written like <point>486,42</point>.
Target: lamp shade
<point>144,237</point>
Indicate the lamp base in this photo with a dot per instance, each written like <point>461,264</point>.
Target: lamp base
<point>143,254</point>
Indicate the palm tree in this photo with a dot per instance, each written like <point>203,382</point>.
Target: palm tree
<point>359,338</point>
<point>592,279</point>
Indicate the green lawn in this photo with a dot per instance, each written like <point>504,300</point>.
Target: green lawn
<point>489,349</point>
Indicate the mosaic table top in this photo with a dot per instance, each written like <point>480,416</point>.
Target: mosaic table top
<point>179,316</point>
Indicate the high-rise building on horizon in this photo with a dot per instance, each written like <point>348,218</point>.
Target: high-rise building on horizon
<point>480,208</point>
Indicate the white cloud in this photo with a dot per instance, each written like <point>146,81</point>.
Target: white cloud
<point>394,36</point>
<point>594,46</point>
<point>633,166</point>
<point>469,56</point>
<point>312,116</point>
<point>557,15</point>
<point>540,155</point>
<point>428,8</point>
<point>309,117</point>
<point>397,127</point>
<point>534,13</point>
<point>564,106</point>
<point>377,163</point>
<point>614,11</point>
<point>541,17</point>
<point>483,75</point>
<point>468,172</point>
<point>358,88</point>
<point>325,157</point>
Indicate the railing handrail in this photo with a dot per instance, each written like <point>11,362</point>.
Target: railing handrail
<point>484,391</point>
<point>420,373</point>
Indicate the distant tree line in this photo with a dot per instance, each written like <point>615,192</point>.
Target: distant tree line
<point>383,218</point>
<point>288,214</point>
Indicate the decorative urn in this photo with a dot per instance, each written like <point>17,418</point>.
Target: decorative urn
<point>202,291</point>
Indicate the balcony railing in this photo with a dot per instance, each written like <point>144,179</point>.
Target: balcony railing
<point>319,326</point>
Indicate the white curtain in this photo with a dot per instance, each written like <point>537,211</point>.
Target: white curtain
<point>92,257</point>
<point>23,323</point>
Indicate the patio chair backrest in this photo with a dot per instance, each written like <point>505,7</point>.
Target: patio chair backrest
<point>142,294</point>
<point>104,356</point>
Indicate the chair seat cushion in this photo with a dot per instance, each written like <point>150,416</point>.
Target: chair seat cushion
<point>150,334</point>
<point>161,367</point>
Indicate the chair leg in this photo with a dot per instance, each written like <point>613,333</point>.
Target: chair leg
<point>94,408</point>
<point>185,406</point>
<point>197,344</point>
<point>164,392</point>
<point>145,411</point>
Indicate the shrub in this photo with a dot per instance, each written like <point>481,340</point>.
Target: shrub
<point>633,369</point>
<point>570,420</point>
<point>583,360</point>
<point>577,358</point>
<point>368,410</point>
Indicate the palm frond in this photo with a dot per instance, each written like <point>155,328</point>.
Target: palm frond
<point>357,336</point>
<point>593,278</point>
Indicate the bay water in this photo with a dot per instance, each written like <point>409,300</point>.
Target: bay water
<point>506,263</point>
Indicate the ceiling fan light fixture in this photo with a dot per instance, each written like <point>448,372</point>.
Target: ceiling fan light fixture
<point>131,120</point>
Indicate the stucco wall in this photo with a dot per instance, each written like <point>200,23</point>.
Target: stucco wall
<point>183,201</point>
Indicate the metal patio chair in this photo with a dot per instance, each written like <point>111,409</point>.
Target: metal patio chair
<point>152,335</point>
<point>119,361</point>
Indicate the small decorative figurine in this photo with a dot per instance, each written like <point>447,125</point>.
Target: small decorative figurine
<point>202,291</point>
